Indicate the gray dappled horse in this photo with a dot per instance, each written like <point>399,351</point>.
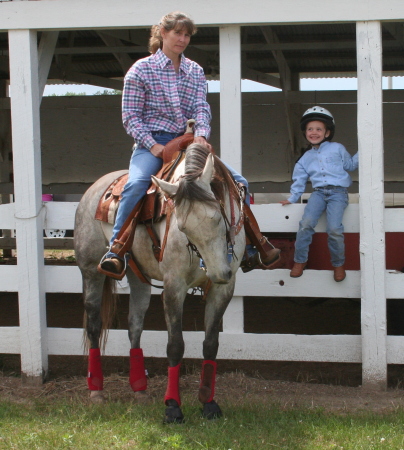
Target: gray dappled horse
<point>206,204</point>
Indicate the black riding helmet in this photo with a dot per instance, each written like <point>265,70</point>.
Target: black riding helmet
<point>321,114</point>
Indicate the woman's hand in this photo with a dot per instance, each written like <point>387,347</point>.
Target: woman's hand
<point>201,140</point>
<point>285,202</point>
<point>157,150</point>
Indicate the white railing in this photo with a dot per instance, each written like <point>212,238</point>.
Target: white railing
<point>234,343</point>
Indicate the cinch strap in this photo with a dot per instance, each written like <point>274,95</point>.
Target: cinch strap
<point>137,374</point>
<point>173,384</point>
<point>95,378</point>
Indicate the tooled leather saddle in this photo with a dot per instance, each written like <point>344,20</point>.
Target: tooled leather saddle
<point>153,205</point>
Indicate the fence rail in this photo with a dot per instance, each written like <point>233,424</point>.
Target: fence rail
<point>234,343</point>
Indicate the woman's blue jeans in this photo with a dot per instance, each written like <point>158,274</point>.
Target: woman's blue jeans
<point>333,200</point>
<point>143,164</point>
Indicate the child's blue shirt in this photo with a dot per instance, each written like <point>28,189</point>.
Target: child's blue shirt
<point>327,165</point>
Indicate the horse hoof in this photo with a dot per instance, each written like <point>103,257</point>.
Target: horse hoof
<point>142,397</point>
<point>211,410</point>
<point>97,397</point>
<point>174,415</point>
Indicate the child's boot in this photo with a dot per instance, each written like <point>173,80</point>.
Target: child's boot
<point>297,270</point>
<point>339,273</point>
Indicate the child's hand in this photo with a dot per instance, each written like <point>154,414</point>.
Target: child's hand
<point>285,202</point>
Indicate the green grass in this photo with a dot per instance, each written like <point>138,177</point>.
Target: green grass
<point>71,424</point>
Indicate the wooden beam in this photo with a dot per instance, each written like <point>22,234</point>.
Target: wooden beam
<point>213,47</point>
<point>125,61</point>
<point>5,149</point>
<point>29,214</point>
<point>83,78</point>
<point>135,36</point>
<point>397,31</point>
<point>260,77</point>
<point>371,205</point>
<point>286,84</point>
<point>46,50</point>
<point>230,97</point>
<point>104,14</point>
<point>391,187</point>
<point>284,70</point>
<point>49,243</point>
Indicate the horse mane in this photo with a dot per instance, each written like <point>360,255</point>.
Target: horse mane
<point>222,182</point>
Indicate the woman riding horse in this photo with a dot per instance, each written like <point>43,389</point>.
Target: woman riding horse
<point>161,92</point>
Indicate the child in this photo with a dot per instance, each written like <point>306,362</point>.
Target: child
<point>326,164</point>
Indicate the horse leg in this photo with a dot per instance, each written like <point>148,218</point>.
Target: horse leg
<point>92,289</point>
<point>139,301</point>
<point>173,298</point>
<point>217,300</point>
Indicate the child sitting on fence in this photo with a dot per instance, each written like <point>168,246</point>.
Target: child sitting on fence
<point>327,164</point>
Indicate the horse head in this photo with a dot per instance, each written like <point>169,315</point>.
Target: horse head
<point>201,216</point>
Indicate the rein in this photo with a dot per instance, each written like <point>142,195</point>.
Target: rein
<point>232,228</point>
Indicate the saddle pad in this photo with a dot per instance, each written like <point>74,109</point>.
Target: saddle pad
<point>109,201</point>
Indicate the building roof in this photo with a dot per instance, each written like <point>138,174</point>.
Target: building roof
<point>328,49</point>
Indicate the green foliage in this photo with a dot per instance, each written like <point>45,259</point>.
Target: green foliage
<point>78,94</point>
<point>74,424</point>
<point>69,94</point>
<point>109,92</point>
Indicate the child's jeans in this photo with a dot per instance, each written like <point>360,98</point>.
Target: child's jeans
<point>334,200</point>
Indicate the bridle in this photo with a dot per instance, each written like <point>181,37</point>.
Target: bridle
<point>232,228</point>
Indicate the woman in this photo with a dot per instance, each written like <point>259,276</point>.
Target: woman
<point>161,92</point>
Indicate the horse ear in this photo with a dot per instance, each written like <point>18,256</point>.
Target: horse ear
<point>169,189</point>
<point>208,170</point>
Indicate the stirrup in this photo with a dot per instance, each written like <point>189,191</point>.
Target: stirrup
<point>255,261</point>
<point>116,276</point>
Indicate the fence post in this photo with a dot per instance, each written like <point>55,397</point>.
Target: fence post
<point>371,205</point>
<point>233,318</point>
<point>29,213</point>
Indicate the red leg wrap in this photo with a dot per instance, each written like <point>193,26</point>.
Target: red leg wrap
<point>173,384</point>
<point>137,375</point>
<point>95,378</point>
<point>208,380</point>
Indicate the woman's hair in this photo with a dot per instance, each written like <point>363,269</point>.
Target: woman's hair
<point>172,21</point>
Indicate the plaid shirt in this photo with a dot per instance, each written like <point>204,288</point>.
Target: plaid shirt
<point>156,98</point>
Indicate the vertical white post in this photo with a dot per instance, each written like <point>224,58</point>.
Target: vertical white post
<point>233,318</point>
<point>28,202</point>
<point>371,204</point>
<point>231,134</point>
<point>230,96</point>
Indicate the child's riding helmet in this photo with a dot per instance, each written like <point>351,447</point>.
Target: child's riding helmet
<point>321,114</point>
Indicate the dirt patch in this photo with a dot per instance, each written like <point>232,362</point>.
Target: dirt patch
<point>231,388</point>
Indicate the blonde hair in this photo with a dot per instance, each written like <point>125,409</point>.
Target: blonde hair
<point>172,21</point>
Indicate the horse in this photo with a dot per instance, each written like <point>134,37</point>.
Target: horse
<point>205,242</point>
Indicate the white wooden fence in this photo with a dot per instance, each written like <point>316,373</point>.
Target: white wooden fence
<point>234,343</point>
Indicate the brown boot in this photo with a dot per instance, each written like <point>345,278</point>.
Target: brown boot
<point>297,269</point>
<point>254,261</point>
<point>339,273</point>
<point>272,256</point>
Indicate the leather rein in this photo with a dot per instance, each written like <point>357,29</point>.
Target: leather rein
<point>232,228</point>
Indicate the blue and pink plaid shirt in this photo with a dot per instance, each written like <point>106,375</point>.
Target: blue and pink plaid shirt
<point>156,98</point>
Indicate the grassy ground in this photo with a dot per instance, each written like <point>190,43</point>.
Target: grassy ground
<point>72,425</point>
<point>258,414</point>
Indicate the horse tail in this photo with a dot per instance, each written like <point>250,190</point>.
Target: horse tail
<point>109,302</point>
